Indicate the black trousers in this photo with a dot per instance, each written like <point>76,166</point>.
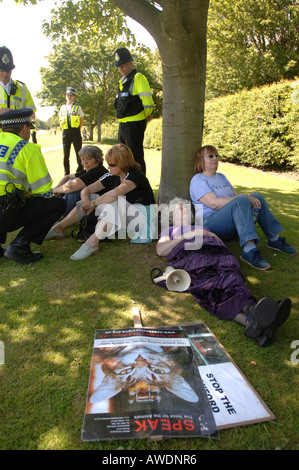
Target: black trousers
<point>132,135</point>
<point>69,137</point>
<point>36,218</point>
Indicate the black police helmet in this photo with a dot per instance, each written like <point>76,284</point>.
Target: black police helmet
<point>6,60</point>
<point>122,55</point>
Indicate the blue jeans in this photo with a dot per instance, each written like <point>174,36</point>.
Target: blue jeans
<point>235,219</point>
<point>71,200</point>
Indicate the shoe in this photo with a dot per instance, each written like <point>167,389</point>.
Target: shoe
<point>281,245</point>
<point>52,234</point>
<point>22,254</point>
<point>261,316</point>
<point>84,252</point>
<point>255,260</point>
<point>282,314</point>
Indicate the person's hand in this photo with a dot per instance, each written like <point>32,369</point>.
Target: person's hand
<point>87,207</point>
<point>255,203</point>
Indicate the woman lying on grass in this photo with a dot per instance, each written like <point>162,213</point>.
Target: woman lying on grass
<point>217,282</point>
<point>128,196</point>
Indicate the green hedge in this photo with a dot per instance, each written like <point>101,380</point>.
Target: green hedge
<point>153,134</point>
<point>258,128</point>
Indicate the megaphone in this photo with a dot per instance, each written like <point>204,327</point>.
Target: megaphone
<point>177,280</point>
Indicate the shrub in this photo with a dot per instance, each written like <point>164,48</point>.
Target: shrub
<point>153,134</point>
<point>257,128</point>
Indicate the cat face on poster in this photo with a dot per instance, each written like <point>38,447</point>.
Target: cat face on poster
<point>141,372</point>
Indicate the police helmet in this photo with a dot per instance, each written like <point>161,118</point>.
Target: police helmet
<point>6,60</point>
<point>122,55</point>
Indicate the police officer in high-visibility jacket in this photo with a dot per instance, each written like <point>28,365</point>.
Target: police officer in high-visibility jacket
<point>133,105</point>
<point>26,196</point>
<point>71,122</point>
<point>13,93</point>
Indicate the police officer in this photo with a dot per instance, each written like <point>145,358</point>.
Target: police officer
<point>26,196</point>
<point>133,105</point>
<point>13,93</point>
<point>71,122</point>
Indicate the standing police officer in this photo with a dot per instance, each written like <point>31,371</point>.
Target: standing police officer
<point>26,196</point>
<point>133,105</point>
<point>13,93</point>
<point>71,122</point>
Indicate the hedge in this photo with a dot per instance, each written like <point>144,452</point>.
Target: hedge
<point>258,127</point>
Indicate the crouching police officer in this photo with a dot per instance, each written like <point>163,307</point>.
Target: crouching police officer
<point>26,196</point>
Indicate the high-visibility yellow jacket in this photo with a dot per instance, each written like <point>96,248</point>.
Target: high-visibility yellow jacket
<point>126,99</point>
<point>73,120</point>
<point>19,100</point>
<point>22,163</point>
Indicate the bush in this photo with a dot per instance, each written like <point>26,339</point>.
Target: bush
<point>109,131</point>
<point>257,128</point>
<point>153,134</point>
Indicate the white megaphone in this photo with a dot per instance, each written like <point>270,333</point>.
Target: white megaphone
<point>177,280</point>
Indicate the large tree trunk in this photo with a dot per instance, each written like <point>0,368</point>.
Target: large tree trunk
<point>179,30</point>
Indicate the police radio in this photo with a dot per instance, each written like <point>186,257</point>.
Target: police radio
<point>13,89</point>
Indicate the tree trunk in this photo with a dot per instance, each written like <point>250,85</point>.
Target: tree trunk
<point>179,29</point>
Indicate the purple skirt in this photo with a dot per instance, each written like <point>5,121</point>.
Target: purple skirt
<point>217,282</point>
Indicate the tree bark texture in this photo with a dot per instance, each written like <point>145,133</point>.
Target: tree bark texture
<point>179,29</point>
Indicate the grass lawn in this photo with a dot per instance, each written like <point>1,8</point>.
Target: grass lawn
<point>50,310</point>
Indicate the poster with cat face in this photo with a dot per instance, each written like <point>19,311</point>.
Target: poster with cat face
<point>145,383</point>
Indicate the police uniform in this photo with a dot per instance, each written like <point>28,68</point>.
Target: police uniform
<point>133,105</point>
<point>14,94</point>
<point>70,116</point>
<point>26,196</point>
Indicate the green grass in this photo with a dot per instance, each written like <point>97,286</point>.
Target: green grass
<point>50,310</point>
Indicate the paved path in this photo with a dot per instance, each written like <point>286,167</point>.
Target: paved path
<point>51,149</point>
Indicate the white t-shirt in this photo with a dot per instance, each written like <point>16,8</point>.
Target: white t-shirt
<point>202,184</point>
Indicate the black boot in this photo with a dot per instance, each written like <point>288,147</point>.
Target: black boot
<point>282,314</point>
<point>19,250</point>
<point>260,316</point>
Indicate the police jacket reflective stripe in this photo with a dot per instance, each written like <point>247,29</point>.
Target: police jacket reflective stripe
<point>23,164</point>
<point>18,98</point>
<point>134,100</point>
<point>71,120</point>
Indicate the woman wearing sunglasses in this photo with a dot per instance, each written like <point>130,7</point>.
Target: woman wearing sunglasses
<point>124,208</point>
<point>228,214</point>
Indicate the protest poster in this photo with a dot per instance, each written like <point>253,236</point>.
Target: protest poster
<point>145,382</point>
<point>233,400</point>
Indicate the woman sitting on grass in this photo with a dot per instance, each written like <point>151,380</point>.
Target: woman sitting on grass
<point>71,185</point>
<point>228,214</point>
<point>217,282</point>
<point>128,197</point>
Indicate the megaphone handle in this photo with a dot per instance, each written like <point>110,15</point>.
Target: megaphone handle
<point>158,274</point>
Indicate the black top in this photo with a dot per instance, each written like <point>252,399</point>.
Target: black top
<point>142,194</point>
<point>92,175</point>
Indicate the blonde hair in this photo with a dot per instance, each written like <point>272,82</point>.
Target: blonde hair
<point>121,156</point>
<point>199,163</point>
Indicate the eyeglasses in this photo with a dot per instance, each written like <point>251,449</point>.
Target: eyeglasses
<point>112,165</point>
<point>212,155</point>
